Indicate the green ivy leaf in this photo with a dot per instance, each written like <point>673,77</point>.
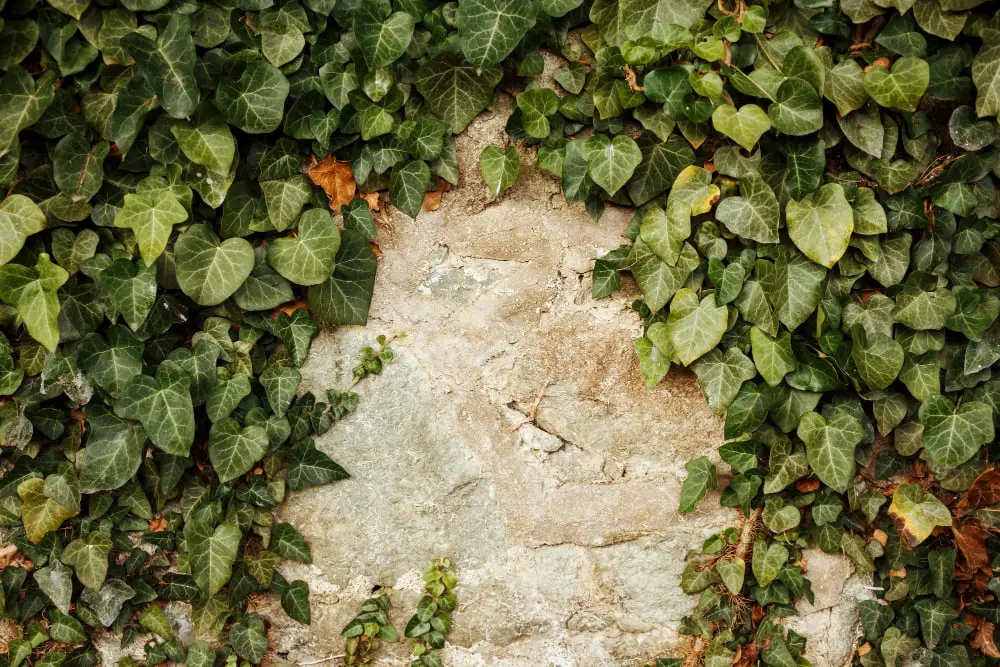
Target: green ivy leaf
<point>249,638</point>
<point>39,513</point>
<point>209,271</point>
<point>797,109</point>
<point>89,558</point>
<point>151,217</point>
<point>611,161</point>
<point>899,87</point>
<point>234,451</point>
<point>953,435</point>
<point>308,466</point>
<point>773,357</point>
<point>830,445</point>
<point>821,224</point>
<point>490,29</point>
<point>168,64</point>
<point>744,126</point>
<point>499,168</point>
<point>695,327</point>
<point>755,213</point>
<point>721,375</point>
<point>700,480</point>
<point>295,602</point>
<point>212,552</point>
<point>163,406</point>
<point>19,218</point>
<point>308,258</point>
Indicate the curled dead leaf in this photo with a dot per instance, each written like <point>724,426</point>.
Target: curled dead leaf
<point>985,490</point>
<point>372,199</point>
<point>336,179</point>
<point>432,201</point>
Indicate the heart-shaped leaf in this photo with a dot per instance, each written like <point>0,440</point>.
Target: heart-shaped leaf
<point>830,445</point>
<point>701,478</point>
<point>113,453</point>
<point>499,168</point>
<point>900,86</point>
<point>721,376</point>
<point>611,162</point>
<point>755,213</point>
<point>821,224</point>
<point>19,218</point>
<point>455,91</point>
<point>772,356</point>
<point>694,326</point>
<point>131,289</point>
<point>40,514</point>
<point>744,126</point>
<point>255,100</point>
<point>382,34</point>
<point>490,29</point>
<point>34,294</point>
<point>666,231</point>
<point>208,271</point>
<point>234,451</point>
<point>408,186</point>
<point>212,552</point>
<point>56,581</point>
<point>107,602</point>
<point>163,406</point>
<point>249,638</point>
<point>89,558</point>
<point>878,358</point>
<point>968,132</point>
<point>796,109</point>
<point>309,257</point>
<point>168,64</point>
<point>207,141</point>
<point>916,513</point>
<point>953,436</point>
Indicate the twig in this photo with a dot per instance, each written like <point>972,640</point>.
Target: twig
<point>322,660</point>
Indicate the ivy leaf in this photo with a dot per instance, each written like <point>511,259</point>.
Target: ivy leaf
<point>499,168</point>
<point>308,466</point>
<point>107,602</point>
<point>666,231</point>
<point>309,258</point>
<point>89,558</point>
<point>916,513</point>
<point>773,357</point>
<point>56,581</point>
<point>901,86</point>
<point>296,332</point>
<point>382,34</point>
<point>289,543</point>
<point>281,384</point>
<point>700,480</point>
<point>953,436</point>
<point>151,217</point>
<point>284,199</point>
<point>490,29</point>
<point>40,514</point>
<point>721,375</point>
<point>797,109</point>
<point>234,451</point>
<point>732,571</point>
<point>230,389</point>
<point>295,602</point>
<point>131,289</point>
<point>19,218</point>
<point>163,406</point>
<point>844,86</point>
<point>248,638</point>
<point>408,185</point>
<point>661,164</point>
<point>767,561</point>
<point>455,91</point>
<point>255,100</point>
<point>695,327</point>
<point>878,358</point>
<point>754,214</point>
<point>208,271</point>
<point>113,453</point>
<point>33,294</point>
<point>653,363</point>
<point>264,288</point>
<point>744,126</point>
<point>830,445</point>
<point>748,411</point>
<point>212,552</point>
<point>168,64</point>
<point>64,628</point>
<point>611,161</point>
<point>658,280</point>
<point>207,141</point>
<point>346,297</point>
<point>986,76</point>
<point>821,224</point>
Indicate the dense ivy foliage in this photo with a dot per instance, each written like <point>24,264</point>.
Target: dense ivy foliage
<point>816,239</point>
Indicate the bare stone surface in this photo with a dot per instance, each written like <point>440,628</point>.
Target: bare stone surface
<point>514,435</point>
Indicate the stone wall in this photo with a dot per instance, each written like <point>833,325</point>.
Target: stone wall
<point>514,435</point>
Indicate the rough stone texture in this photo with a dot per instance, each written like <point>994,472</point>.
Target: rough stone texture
<point>563,528</point>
